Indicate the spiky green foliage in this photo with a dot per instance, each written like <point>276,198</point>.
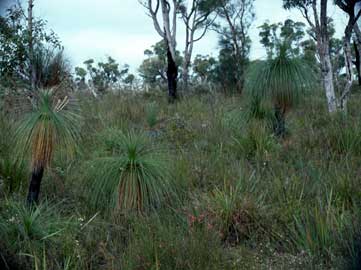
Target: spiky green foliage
<point>282,79</point>
<point>152,115</point>
<point>315,231</point>
<point>255,141</point>
<point>156,243</point>
<point>28,234</point>
<point>133,174</point>
<point>52,123</point>
<point>12,173</point>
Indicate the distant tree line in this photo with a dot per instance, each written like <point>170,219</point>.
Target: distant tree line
<point>32,56</point>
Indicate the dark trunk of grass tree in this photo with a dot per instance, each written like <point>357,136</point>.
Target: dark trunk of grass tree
<point>279,126</point>
<point>34,187</point>
<point>172,74</point>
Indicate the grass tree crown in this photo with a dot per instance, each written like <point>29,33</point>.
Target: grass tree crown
<point>131,175</point>
<point>51,122</point>
<point>282,79</point>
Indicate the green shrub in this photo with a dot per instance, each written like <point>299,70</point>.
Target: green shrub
<point>237,217</point>
<point>344,136</point>
<point>255,142</point>
<point>28,235</point>
<point>152,113</point>
<point>350,244</point>
<point>257,108</point>
<point>12,172</point>
<point>168,243</point>
<point>317,228</point>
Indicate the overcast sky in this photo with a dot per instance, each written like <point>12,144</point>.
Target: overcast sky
<point>121,29</point>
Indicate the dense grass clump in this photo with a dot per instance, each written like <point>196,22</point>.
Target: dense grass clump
<point>133,175</point>
<point>35,237</point>
<point>158,244</point>
<point>12,172</point>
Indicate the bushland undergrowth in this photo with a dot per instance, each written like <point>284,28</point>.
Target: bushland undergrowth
<point>231,195</point>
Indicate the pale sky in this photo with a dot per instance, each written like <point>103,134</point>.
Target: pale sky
<point>121,28</point>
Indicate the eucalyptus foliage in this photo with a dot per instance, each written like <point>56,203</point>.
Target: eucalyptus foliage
<point>14,42</point>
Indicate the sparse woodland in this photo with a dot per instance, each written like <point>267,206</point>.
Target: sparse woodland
<point>193,162</point>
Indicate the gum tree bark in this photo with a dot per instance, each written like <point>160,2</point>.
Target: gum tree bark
<point>319,27</point>
<point>357,46</point>
<point>348,6</point>
<point>323,44</point>
<point>357,61</point>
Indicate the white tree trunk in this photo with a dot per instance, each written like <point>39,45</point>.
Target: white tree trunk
<point>187,62</point>
<point>167,28</point>
<point>327,77</point>
<point>349,73</point>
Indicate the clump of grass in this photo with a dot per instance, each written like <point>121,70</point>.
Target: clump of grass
<point>234,212</point>
<point>29,234</point>
<point>344,136</point>
<point>234,120</point>
<point>314,233</point>
<point>179,132</point>
<point>12,173</point>
<point>317,228</point>
<point>132,174</point>
<point>256,141</point>
<point>169,243</point>
<point>350,243</point>
<point>152,113</point>
<point>257,108</point>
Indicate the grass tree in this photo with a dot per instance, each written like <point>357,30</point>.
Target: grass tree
<point>52,123</point>
<point>282,79</point>
<point>132,175</point>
